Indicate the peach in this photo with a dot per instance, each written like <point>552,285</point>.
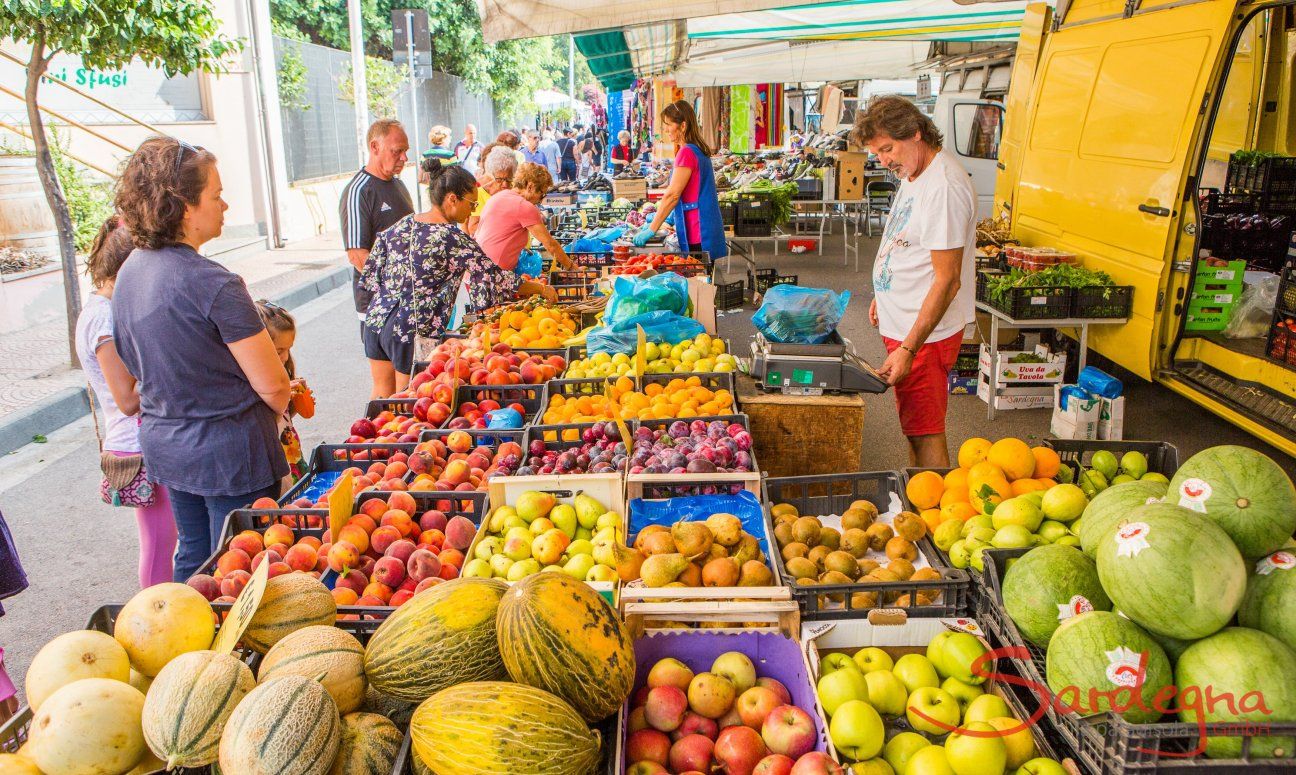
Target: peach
<point>393,485</point>
<point>452,557</point>
<point>280,568</point>
<point>389,571</point>
<point>397,470</point>
<point>377,468</point>
<point>400,520</point>
<point>383,538</point>
<point>421,462</point>
<point>279,549</point>
<point>301,557</point>
<point>422,565</point>
<point>459,533</point>
<point>234,582</point>
<point>379,590</point>
<point>264,503</point>
<point>356,536</point>
<point>343,555</point>
<point>279,534</point>
<point>432,538</point>
<point>353,580</point>
<point>399,597</point>
<point>264,556</point>
<point>345,596</point>
<point>249,541</point>
<point>478,461</point>
<point>234,560</point>
<point>310,541</point>
<point>369,601</point>
<point>321,560</point>
<point>402,549</point>
<point>373,508</point>
<point>364,522</point>
<point>432,520</point>
<point>207,586</point>
<point>459,441</point>
<point>457,472</point>
<point>449,572</point>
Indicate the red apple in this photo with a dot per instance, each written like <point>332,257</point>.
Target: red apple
<point>816,763</point>
<point>739,749</point>
<point>648,745</point>
<point>785,697</point>
<point>755,705</point>
<point>790,731</point>
<point>364,428</point>
<point>665,708</point>
<point>695,724</point>
<point>774,764</point>
<point>692,752</point>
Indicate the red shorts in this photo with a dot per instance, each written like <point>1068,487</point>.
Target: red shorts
<point>922,396</point>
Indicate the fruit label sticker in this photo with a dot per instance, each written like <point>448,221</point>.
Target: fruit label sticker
<point>341,499</point>
<point>1276,561</point>
<point>240,614</point>
<point>1124,667</point>
<point>1131,538</point>
<point>962,625</point>
<point>1077,605</point>
<point>1194,493</point>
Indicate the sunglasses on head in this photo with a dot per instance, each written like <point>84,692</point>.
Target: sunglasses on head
<point>182,146</point>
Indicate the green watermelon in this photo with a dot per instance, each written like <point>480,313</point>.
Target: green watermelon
<point>1093,655</point>
<point>1049,585</point>
<point>1243,491</point>
<point>1109,507</point>
<point>1239,662</point>
<point>1173,646</point>
<point>1172,571</point>
<point>1270,601</point>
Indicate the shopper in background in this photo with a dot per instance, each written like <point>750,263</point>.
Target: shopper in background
<point>531,152</point>
<point>923,282</point>
<point>418,265</point>
<point>513,142</point>
<point>374,200</point>
<point>622,153</point>
<point>468,151</point>
<point>511,218</point>
<point>126,479</point>
<point>567,154</point>
<point>553,161</point>
<point>211,387</point>
<point>12,581</point>
<point>498,169</point>
<point>438,148</point>
<point>283,332</point>
<point>691,193</point>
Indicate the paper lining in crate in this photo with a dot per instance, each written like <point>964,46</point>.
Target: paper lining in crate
<point>507,490</point>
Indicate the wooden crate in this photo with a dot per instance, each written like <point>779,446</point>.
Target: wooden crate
<point>800,435</point>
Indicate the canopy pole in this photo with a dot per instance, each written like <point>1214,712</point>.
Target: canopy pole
<point>571,69</point>
<point>359,86</point>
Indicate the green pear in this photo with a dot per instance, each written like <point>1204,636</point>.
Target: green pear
<point>564,518</point>
<point>588,510</point>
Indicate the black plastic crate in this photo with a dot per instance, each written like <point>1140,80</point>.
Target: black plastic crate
<point>711,380</point>
<point>728,213</point>
<point>763,284</point>
<point>574,388</point>
<point>598,260</point>
<point>329,459</point>
<point>573,276</point>
<point>809,189</point>
<point>565,352</point>
<point>1029,303</point>
<point>730,296</point>
<point>1099,301</point>
<point>1162,456</point>
<point>481,436</point>
<point>833,494</point>
<point>531,397</point>
<point>1263,176</point>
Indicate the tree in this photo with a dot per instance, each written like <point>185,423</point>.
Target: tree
<point>180,36</point>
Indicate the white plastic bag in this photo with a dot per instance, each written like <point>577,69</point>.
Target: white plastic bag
<point>1254,313</point>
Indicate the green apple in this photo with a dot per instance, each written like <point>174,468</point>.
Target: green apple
<point>937,705</point>
<point>1134,464</point>
<point>957,655</point>
<point>986,707</point>
<point>839,687</point>
<point>871,767</point>
<point>1011,537</point>
<point>1040,766</point>
<point>513,521</point>
<point>520,570</point>
<point>873,658</point>
<point>834,662</point>
<point>929,761</point>
<point>488,547</point>
<point>564,518</point>
<point>520,533</point>
<point>1017,511</point>
<point>1051,531</point>
<point>963,692</point>
<point>602,573</point>
<point>1020,744</point>
<point>1105,462</point>
<point>971,754</point>
<point>915,671</point>
<point>856,729</point>
<point>901,748</point>
<point>886,693</point>
<point>936,649</point>
<point>478,568</point>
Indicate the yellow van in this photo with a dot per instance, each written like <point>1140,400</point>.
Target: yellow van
<point>1120,117</point>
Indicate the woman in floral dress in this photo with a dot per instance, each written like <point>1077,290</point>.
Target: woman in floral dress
<point>415,267</point>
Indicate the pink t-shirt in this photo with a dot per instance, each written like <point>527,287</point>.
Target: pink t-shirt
<point>502,234</point>
<point>687,158</point>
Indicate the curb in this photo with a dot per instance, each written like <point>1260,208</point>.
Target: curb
<point>71,404</point>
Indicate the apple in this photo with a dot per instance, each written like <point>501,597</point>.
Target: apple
<point>739,750</point>
<point>790,731</point>
<point>835,661</point>
<point>646,768</point>
<point>738,668</point>
<point>873,658</point>
<point>886,693</point>
<point>1018,740</point>
<point>870,767</point>
<point>857,730</point>
<point>755,705</point>
<point>711,695</point>
<point>929,761</point>
<point>693,724</point>
<point>665,708</point>
<point>648,745</point>
<point>939,707</point>
<point>936,650</point>
<point>637,721</point>
<point>964,693</point>
<point>901,748</point>
<point>986,707</point>
<point>839,687</point>
<point>1041,766</point>
<point>958,654</point>
<point>778,764</point>
<point>692,752</point>
<point>785,697</point>
<point>972,754</point>
<point>731,719</point>
<point>816,763</point>
<point>916,672</point>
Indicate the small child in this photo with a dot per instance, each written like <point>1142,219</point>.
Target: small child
<point>283,332</point>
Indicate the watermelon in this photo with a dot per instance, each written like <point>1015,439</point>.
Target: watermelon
<point>1270,601</point>
<point>1243,491</point>
<point>1252,667</point>
<point>1093,655</point>
<point>1049,585</point>
<point>1109,507</point>
<point>1172,571</point>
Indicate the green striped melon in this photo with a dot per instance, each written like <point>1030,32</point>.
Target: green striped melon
<point>1093,655</point>
<point>188,704</point>
<point>291,601</point>
<point>1270,601</point>
<point>332,656</point>
<point>497,727</point>
<point>1048,585</point>
<point>444,635</point>
<point>285,726</point>
<point>557,634</point>
<point>1112,505</point>
<point>1243,491</point>
<point>370,743</point>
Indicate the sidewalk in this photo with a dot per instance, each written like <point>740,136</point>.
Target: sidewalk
<point>40,392</point>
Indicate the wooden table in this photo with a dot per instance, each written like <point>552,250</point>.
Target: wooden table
<point>802,435</point>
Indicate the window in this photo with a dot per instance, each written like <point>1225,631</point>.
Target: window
<point>978,127</point>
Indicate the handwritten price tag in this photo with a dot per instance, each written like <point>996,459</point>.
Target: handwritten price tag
<point>340,502</point>
<point>241,613</point>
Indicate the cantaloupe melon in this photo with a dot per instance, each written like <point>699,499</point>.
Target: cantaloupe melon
<point>291,601</point>
<point>89,726</point>
<point>161,622</point>
<point>317,651</point>
<point>285,726</point>
<point>188,704</point>
<point>370,743</point>
<point>71,657</point>
<point>13,764</point>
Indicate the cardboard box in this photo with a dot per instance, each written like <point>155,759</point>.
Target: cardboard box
<point>1016,397</point>
<point>851,177</point>
<point>1078,421</point>
<point>1000,362</point>
<point>1111,420</point>
<point>633,189</point>
<point>702,295</point>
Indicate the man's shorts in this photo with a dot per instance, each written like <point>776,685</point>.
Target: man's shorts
<point>922,396</point>
<point>385,345</point>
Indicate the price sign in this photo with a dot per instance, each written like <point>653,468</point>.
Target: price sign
<point>240,614</point>
<point>616,416</point>
<point>340,502</point>
<point>641,358</point>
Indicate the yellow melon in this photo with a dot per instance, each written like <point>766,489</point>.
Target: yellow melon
<point>162,622</point>
<point>13,764</point>
<point>89,726</point>
<point>370,743</point>
<point>286,725</point>
<point>71,657</point>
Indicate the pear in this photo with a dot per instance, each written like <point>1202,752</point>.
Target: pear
<point>662,569</point>
<point>748,549</point>
<point>720,572</point>
<point>532,505</point>
<point>588,510</point>
<point>692,539</point>
<point>643,536</point>
<point>726,528</point>
<point>755,573</point>
<point>625,560</point>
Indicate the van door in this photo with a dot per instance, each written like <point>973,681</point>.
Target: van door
<point>1115,109</point>
<point>1017,104</point>
<point>973,130</point>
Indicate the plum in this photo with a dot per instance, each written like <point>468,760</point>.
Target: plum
<point>700,466</point>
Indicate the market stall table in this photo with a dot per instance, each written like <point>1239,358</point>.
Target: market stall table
<point>796,435</point>
<point>999,320</point>
<point>825,210</point>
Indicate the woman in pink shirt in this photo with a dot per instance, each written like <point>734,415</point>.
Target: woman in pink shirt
<point>512,217</point>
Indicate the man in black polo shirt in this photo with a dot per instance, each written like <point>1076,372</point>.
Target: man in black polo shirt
<point>373,201</point>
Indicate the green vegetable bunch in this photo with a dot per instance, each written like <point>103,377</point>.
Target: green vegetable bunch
<point>1000,287</point>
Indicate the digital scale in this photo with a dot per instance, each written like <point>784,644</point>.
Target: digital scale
<point>812,369</point>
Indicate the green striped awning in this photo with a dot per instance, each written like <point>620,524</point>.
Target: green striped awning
<point>925,20</point>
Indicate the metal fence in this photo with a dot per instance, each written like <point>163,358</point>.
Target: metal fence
<point>320,139</point>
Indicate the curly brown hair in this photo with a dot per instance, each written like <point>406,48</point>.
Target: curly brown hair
<point>112,245</point>
<point>162,177</point>
<point>533,176</point>
<point>897,118</point>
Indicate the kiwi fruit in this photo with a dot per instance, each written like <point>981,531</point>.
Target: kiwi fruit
<point>818,554</point>
<point>882,575</point>
<point>833,577</point>
<point>865,505</point>
<point>830,538</point>
<point>902,568</point>
<point>801,568</point>
<point>909,526</point>
<point>784,511</point>
<point>861,600</point>
<point>794,549</point>
<point>867,566</point>
<point>925,574</point>
<point>899,549</point>
<point>843,563</point>
<point>878,536</point>
<point>857,518</point>
<point>806,530</point>
<point>855,541</point>
<point>783,533</point>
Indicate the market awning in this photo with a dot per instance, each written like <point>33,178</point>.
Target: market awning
<point>548,99</point>
<point>925,20</point>
<point>793,62</point>
<point>508,19</point>
<point>618,58</point>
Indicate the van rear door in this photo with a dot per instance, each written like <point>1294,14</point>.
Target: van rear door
<point>1115,109</point>
<point>1017,104</point>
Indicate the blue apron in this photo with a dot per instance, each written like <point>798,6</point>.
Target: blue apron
<point>708,207</point>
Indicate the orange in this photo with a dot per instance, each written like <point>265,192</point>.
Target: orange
<point>924,489</point>
<point>1047,483</point>
<point>956,479</point>
<point>932,517</point>
<point>983,470</point>
<point>1023,486</point>
<point>1047,463</point>
<point>959,495</point>
<point>623,385</point>
<point>960,511</point>
<point>972,452</point>
<point>1014,457</point>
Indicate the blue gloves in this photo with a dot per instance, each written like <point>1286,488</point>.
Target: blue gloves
<point>642,236</point>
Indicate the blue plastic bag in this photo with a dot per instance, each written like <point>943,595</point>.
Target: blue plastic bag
<point>632,296</point>
<point>659,326</point>
<point>530,264</point>
<point>503,419</point>
<point>801,315</point>
<point>745,506</point>
<point>588,245</point>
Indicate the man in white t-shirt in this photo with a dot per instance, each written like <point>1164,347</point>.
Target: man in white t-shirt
<point>923,277</point>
